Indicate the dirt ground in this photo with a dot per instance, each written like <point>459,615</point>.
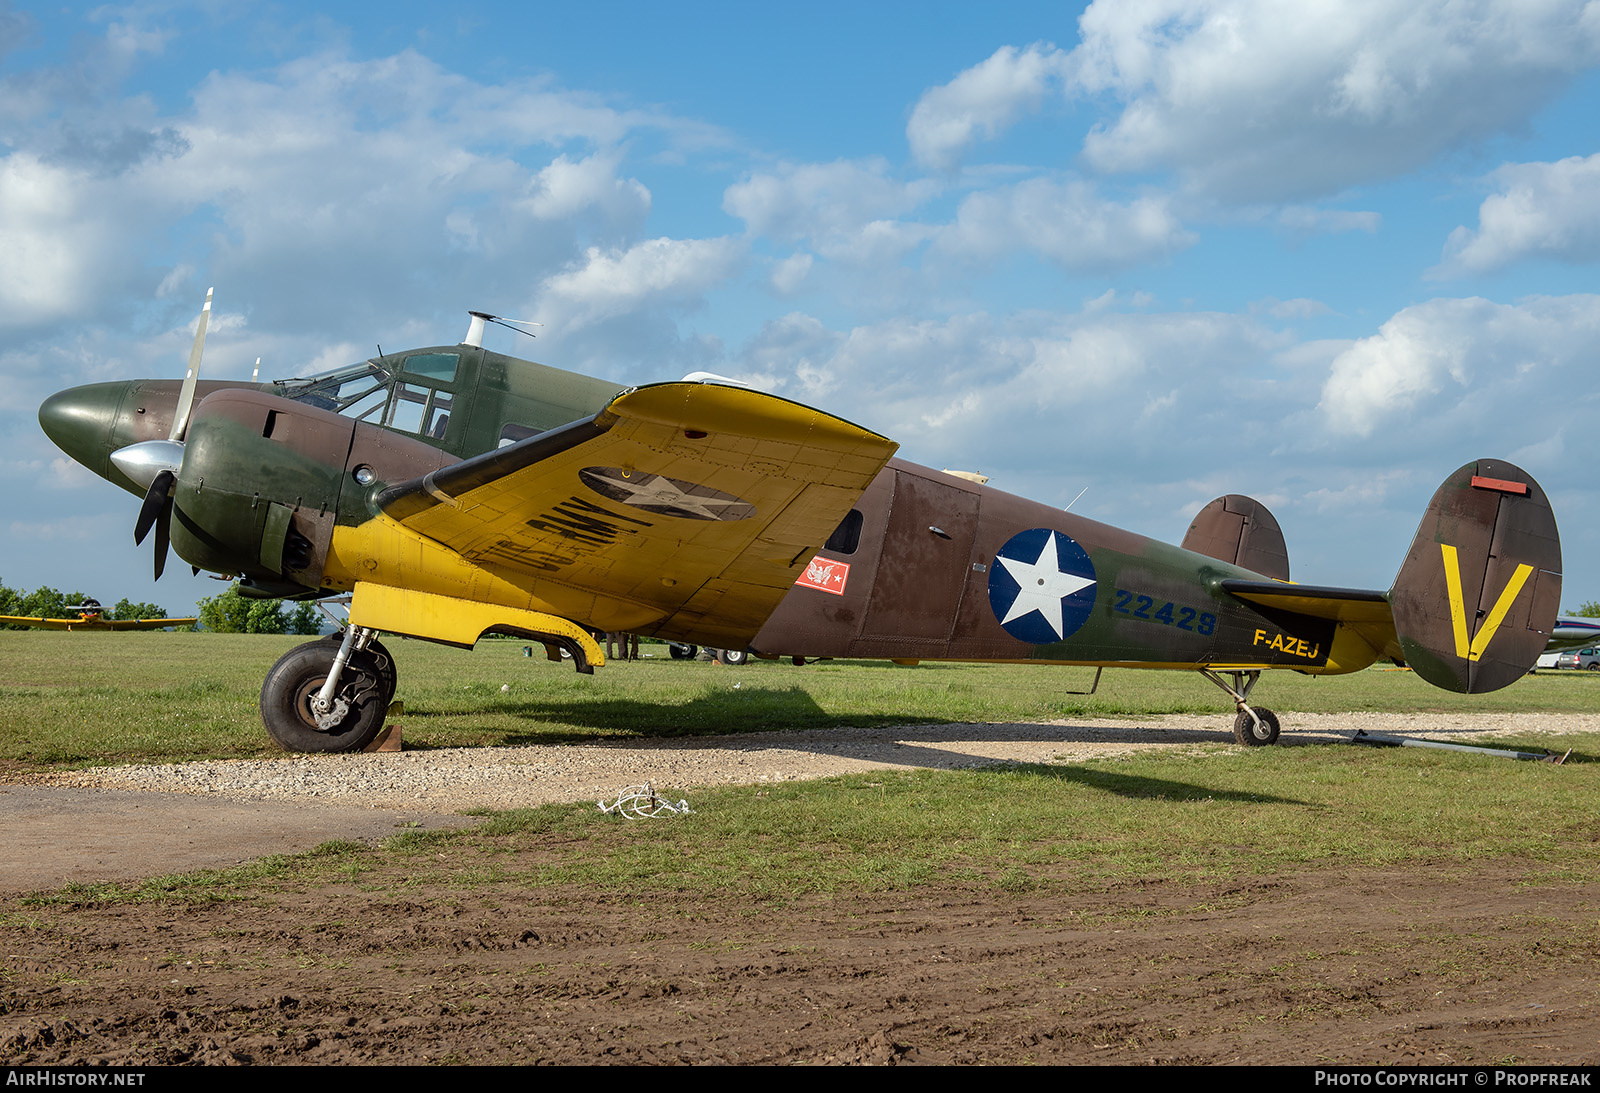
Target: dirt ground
<point>1444,966</point>
<point>1374,967</point>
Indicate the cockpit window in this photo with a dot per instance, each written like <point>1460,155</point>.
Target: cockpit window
<point>357,390</point>
<point>439,367</point>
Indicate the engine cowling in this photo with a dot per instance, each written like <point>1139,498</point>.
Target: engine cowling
<point>259,489</point>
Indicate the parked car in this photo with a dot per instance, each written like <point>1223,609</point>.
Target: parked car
<point>1587,659</point>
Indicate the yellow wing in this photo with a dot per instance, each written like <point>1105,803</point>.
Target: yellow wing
<point>690,508</point>
<point>95,623</point>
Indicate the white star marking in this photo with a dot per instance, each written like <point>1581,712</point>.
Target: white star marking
<point>1043,584</point>
<point>655,490</point>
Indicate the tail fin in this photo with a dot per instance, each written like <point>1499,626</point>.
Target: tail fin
<point>1240,531</point>
<point>1476,600</point>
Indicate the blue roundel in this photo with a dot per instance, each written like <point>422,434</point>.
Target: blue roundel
<point>1041,586</point>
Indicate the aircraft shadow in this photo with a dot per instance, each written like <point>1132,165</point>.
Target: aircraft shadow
<point>614,720</point>
<point>790,720</point>
<point>1124,785</point>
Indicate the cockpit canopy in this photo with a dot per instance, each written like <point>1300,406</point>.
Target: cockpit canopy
<point>413,394</point>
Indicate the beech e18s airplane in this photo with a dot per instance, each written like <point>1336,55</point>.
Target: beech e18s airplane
<point>453,491</point>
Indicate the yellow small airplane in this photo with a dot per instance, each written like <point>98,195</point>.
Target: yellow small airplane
<point>91,617</point>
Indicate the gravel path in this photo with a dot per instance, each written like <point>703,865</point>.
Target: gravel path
<point>452,779</point>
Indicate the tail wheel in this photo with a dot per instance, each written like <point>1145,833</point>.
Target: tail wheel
<point>682,652</point>
<point>1250,734</point>
<point>365,688</point>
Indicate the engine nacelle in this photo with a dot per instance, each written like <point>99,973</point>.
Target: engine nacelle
<point>259,489</point>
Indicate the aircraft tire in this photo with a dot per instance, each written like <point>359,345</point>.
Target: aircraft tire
<point>1246,732</point>
<point>682,652</point>
<point>736,657</point>
<point>386,670</point>
<point>366,684</point>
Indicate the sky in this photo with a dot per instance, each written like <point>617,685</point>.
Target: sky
<point>1151,252</point>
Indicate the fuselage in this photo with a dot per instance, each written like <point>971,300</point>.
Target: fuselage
<point>278,486</point>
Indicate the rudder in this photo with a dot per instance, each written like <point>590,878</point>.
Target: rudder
<point>1477,596</point>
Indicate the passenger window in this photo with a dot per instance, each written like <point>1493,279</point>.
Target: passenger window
<point>847,536</point>
<point>511,432</point>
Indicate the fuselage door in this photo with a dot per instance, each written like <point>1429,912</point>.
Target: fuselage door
<point>927,553</point>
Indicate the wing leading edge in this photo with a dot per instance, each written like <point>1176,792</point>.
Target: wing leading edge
<point>691,507</point>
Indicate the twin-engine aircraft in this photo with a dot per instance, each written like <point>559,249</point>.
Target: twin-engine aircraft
<point>453,492</point>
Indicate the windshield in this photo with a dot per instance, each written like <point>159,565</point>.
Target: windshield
<point>356,390</point>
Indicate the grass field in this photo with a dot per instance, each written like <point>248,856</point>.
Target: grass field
<point>76,699</point>
<point>1216,904</point>
<point>71,700</point>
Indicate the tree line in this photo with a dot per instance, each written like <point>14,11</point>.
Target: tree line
<point>231,613</point>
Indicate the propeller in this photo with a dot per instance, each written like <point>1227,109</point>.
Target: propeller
<point>157,511</point>
<point>180,418</point>
<point>157,462</point>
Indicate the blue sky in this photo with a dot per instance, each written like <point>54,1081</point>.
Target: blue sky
<point>1164,249</point>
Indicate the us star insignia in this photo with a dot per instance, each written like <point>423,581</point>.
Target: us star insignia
<point>1042,586</point>
<point>665,496</point>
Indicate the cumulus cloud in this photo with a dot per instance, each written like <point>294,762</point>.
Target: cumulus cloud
<point>847,210</point>
<point>1459,364</point>
<point>1543,210</point>
<point>568,187</point>
<point>66,234</point>
<point>1067,222</point>
<point>789,274</point>
<point>1252,102</point>
<point>982,102</point>
<point>319,174</point>
<point>978,388</point>
<point>671,272</point>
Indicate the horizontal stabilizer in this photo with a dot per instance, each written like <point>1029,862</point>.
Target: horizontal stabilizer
<point>1475,601</point>
<point>1317,601</point>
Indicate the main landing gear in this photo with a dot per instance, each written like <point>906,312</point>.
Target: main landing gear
<point>329,695</point>
<point>1254,726</point>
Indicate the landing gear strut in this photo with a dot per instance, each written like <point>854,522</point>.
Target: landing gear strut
<point>1254,726</point>
<point>329,695</point>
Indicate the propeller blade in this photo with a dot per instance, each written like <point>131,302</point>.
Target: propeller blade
<point>163,536</point>
<point>180,419</point>
<point>155,500</point>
